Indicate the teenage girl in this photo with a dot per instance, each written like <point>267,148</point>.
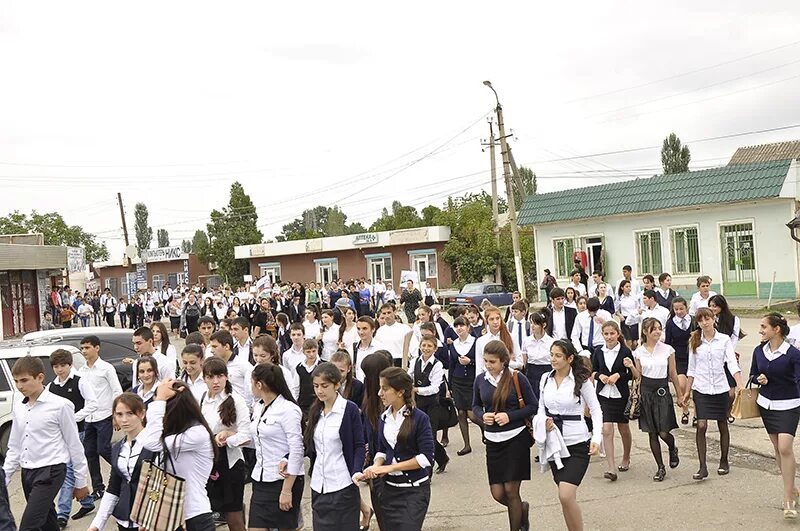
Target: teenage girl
<point>334,440</point>
<point>462,376</point>
<point>405,453</point>
<point>192,357</point>
<point>677,331</point>
<point>508,441</point>
<point>664,292</point>
<point>580,305</point>
<point>709,352</point>
<point>571,298</point>
<point>536,350</point>
<point>473,315</point>
<point>311,325</point>
<point>613,377</point>
<point>606,300</point>
<point>495,329</point>
<point>350,388</point>
<point>731,326</point>
<point>161,343</point>
<point>228,417</point>
<point>278,440</point>
<point>655,365</point>
<point>147,370</point>
<point>627,309</point>
<point>348,334</point>
<point>425,315</point>
<point>329,336</point>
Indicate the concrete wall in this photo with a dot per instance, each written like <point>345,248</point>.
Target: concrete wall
<point>776,253</point>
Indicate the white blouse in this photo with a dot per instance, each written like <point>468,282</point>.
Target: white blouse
<point>210,407</point>
<point>706,365</point>
<point>277,434</point>
<point>655,365</point>
<point>628,306</point>
<point>538,350</point>
<point>330,342</point>
<point>561,400</point>
<point>330,472</point>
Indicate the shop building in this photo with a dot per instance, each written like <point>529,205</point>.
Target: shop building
<point>374,255</point>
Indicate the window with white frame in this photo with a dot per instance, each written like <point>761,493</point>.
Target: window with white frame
<point>158,282</point>
<point>424,263</point>
<point>327,270</point>
<point>271,270</point>
<point>379,267</point>
<point>685,251</point>
<point>562,252</point>
<point>648,252</point>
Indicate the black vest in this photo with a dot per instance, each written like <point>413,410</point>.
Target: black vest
<point>423,379</point>
<point>71,392</point>
<point>306,396</point>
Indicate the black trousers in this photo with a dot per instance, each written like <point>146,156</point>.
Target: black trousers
<point>430,406</point>
<point>110,319</point>
<point>41,486</point>
<point>96,444</point>
<point>201,522</point>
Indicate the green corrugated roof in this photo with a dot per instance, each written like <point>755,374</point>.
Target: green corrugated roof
<point>727,184</point>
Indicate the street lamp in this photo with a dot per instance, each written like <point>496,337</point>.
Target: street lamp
<point>489,84</point>
<point>793,226</point>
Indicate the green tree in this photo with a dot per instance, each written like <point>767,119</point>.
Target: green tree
<point>674,156</point>
<point>528,181</point>
<point>144,232</point>
<point>56,232</point>
<point>236,224</point>
<point>162,236</point>
<point>401,217</point>
<point>186,246</point>
<point>319,222</point>
<point>429,214</point>
<point>356,228</point>
<point>200,246</point>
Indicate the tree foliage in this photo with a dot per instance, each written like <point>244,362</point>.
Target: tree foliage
<point>236,224</point>
<point>318,222</point>
<point>162,236</point>
<point>56,232</point>
<point>528,181</point>
<point>674,156</point>
<point>186,246</point>
<point>401,217</point>
<point>144,232</point>
<point>200,246</point>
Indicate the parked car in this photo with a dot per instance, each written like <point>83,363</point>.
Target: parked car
<point>477,292</point>
<point>115,344</point>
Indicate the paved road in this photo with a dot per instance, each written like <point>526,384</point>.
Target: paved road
<point>750,497</point>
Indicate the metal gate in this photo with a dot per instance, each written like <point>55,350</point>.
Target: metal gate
<point>738,260</point>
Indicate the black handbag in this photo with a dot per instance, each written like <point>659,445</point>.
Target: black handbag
<point>448,411</point>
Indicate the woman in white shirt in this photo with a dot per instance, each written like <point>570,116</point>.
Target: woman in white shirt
<point>495,329</point>
<point>161,342</point>
<point>564,393</point>
<point>192,357</point>
<point>174,421</point>
<point>329,336</point>
<point>278,440</point>
<point>311,325</point>
<point>627,309</point>
<point>655,364</point>
<point>710,351</point>
<point>147,376</point>
<point>729,325</point>
<point>348,334</point>
<point>334,440</point>
<point>571,297</point>
<point>536,350</point>
<point>229,419</point>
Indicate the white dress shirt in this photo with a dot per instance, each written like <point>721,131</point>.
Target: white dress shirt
<point>391,427</point>
<point>776,405</point>
<point>191,457</point>
<point>276,433</point>
<point>330,473</point>
<point>635,288</point>
<point>479,346</point>
<point>102,377</point>
<point>86,391</point>
<point>628,306</point>
<point>172,358</point>
<point>166,367</point>
<point>609,358</point>
<point>580,288</point>
<point>559,330</point>
<point>698,302</point>
<point>706,365</point>
<point>197,387</point>
<point>243,350</point>
<point>311,330</point>
<point>45,434</point>
<point>126,464</point>
<point>330,342</point>
<point>538,350</point>
<point>210,407</point>
<point>349,338</point>
<point>239,371</point>
<point>506,435</point>
<point>436,377</point>
<point>655,365</point>
<point>292,358</point>
<point>362,353</point>
<point>583,323</point>
<point>683,322</point>
<point>394,338</point>
<point>794,335</point>
<point>658,312</point>
<point>517,329</point>
<point>561,400</point>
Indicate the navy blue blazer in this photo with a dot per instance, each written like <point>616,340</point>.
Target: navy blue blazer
<point>625,374</point>
<point>783,374</point>
<point>420,441</point>
<point>122,488</point>
<point>458,370</point>
<point>356,392</point>
<point>483,395</point>
<point>351,433</point>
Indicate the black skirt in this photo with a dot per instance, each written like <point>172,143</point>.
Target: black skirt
<point>710,407</point>
<point>404,508</point>
<point>534,374</point>
<point>265,509</point>
<point>629,332</point>
<point>780,421</point>
<point>509,460</point>
<point>336,511</point>
<point>681,364</point>
<point>575,465</point>
<point>462,388</point>
<point>657,410</point>
<point>613,409</point>
<point>226,492</point>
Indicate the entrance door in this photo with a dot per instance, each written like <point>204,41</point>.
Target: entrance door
<point>421,266</point>
<point>327,271</point>
<point>594,250</point>
<point>738,260</point>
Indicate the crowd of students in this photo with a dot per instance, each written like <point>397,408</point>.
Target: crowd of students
<point>367,401</point>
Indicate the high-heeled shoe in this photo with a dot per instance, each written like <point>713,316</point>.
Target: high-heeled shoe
<point>366,527</point>
<point>700,475</point>
<point>674,460</point>
<point>661,474</point>
<point>790,510</point>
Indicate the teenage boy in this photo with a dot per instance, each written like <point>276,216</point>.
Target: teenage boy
<point>294,355</point>
<point>394,335</point>
<point>143,345</point>
<point>102,378</point>
<point>238,366</point>
<point>588,330</point>
<point>43,439</point>
<point>240,330</point>
<point>703,294</point>
<point>654,310</point>
<point>75,389</point>
<point>206,327</point>
<point>561,318</point>
<point>516,296</point>
<point>304,370</point>
<point>520,328</point>
<point>597,278</point>
<point>576,284</point>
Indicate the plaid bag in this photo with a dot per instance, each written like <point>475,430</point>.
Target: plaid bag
<point>158,505</point>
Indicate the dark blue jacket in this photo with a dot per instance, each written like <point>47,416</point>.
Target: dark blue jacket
<point>356,393</point>
<point>351,433</point>
<point>783,374</point>
<point>625,374</point>
<point>120,487</point>
<point>678,339</point>
<point>420,441</point>
<point>458,370</point>
<point>483,395</point>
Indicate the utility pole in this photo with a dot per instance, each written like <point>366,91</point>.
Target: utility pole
<point>512,209</point>
<point>495,212</point>
<point>122,215</point>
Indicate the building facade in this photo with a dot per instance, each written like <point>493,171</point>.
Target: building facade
<point>373,255</point>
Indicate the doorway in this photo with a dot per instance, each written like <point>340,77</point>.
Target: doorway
<point>738,260</point>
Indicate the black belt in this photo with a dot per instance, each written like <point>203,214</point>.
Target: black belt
<point>558,420</point>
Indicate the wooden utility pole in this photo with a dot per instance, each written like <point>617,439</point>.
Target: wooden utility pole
<point>495,211</point>
<point>122,215</point>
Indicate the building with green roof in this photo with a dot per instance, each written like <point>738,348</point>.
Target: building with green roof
<point>727,222</point>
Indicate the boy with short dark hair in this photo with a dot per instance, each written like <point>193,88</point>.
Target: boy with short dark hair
<point>238,367</point>
<point>206,327</point>
<point>69,385</point>
<point>43,439</point>
<point>304,370</point>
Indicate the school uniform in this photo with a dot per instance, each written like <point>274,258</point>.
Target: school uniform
<point>508,447</point>
<point>588,331</point>
<point>733,333</point>
<point>659,313</point>
<point>239,370</point>
<point>277,436</point>
<point>612,398</point>
<point>697,302</point>
<point>462,377</point>
<point>166,367</point>
<point>656,406</point>
<point>404,496</point>
<point>356,392</point>
<point>710,386</point>
<point>778,400</point>
<point>560,324</point>
<point>476,331</point>
<point>676,334</point>
<point>664,298</point>
<point>337,456</point>
<point>628,306</point>
<point>146,396</point>
<point>519,330</point>
<point>198,387</point>
<point>225,487</point>
<point>538,353</point>
<point>126,463</point>
<point>428,377</point>
<point>307,395</point>
<point>480,344</point>
<point>43,439</point>
<point>607,304</point>
<point>360,352</point>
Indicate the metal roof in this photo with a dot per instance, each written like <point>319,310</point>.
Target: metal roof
<point>766,152</point>
<point>727,184</point>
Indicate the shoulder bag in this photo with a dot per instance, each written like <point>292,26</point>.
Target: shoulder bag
<point>528,421</point>
<point>159,501</point>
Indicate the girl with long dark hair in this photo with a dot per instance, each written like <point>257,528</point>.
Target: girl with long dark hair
<point>147,378</point>
<point>176,426</point>
<point>334,440</point>
<point>730,325</point>
<point>627,308</point>
<point>536,349</point>
<point>508,441</point>
<point>462,376</point>
<point>161,343</point>
<point>329,336</point>
<point>677,331</point>
<point>348,334</point>
<point>350,388</point>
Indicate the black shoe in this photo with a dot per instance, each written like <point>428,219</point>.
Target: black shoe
<point>442,467</point>
<point>661,474</point>
<point>610,476</point>
<point>526,523</point>
<point>700,474</point>
<point>674,460</point>
<point>218,519</point>
<point>62,522</point>
<point>83,511</point>
<point>724,469</point>
<point>98,494</point>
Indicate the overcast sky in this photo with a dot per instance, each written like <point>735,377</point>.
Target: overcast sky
<point>359,104</point>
